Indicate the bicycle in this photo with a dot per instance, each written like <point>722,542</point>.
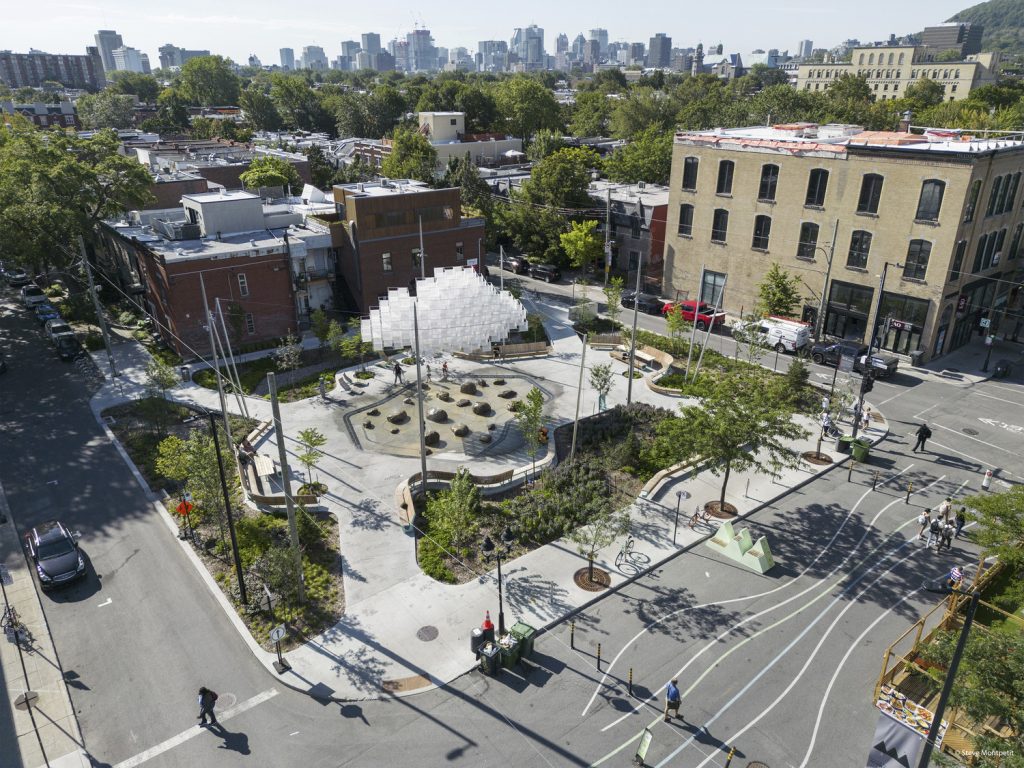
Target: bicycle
<point>630,560</point>
<point>11,625</point>
<point>700,515</point>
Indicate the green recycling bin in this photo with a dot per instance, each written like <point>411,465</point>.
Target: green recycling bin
<point>509,653</point>
<point>860,449</point>
<point>524,633</point>
<point>489,659</point>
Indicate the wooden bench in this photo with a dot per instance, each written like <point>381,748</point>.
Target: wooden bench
<point>264,465</point>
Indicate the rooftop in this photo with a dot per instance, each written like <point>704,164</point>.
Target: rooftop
<point>385,188</point>
<point>219,195</point>
<point>648,194</point>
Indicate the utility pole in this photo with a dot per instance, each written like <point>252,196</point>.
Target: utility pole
<point>216,369</point>
<point>423,254</point>
<point>227,509</point>
<point>501,267</point>
<point>579,396</point>
<point>607,234</point>
<point>820,320</point>
<point>693,328</point>
<point>871,346</point>
<point>286,483</point>
<point>99,312</point>
<point>636,314</point>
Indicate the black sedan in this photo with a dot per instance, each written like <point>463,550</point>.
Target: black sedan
<point>53,550</point>
<point>647,303</point>
<point>518,264</point>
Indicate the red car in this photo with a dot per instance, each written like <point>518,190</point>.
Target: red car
<point>704,313</point>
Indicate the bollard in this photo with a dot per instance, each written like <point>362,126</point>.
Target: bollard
<point>874,481</point>
<point>987,481</point>
<point>849,473</point>
<point>630,681</point>
<point>572,635</point>
<point>746,493</point>
<point>910,490</point>
<point>598,657</point>
<point>728,760</point>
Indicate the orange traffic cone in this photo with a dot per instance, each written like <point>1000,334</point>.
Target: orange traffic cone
<point>487,621</point>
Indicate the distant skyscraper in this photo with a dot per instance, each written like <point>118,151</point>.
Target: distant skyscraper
<point>601,35</point>
<point>804,49</point>
<point>127,59</point>
<point>562,43</point>
<point>287,58</point>
<point>493,55</point>
<point>172,56</point>
<point>592,52</point>
<point>528,45</point>
<point>371,43</point>
<point>349,48</point>
<point>578,44</point>
<point>254,61</point>
<point>146,69</point>
<point>106,41</point>
<point>422,53</point>
<point>32,69</point>
<point>313,57</point>
<point>636,53</point>
<point>659,50</point>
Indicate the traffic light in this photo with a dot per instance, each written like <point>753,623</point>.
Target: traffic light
<point>867,384</point>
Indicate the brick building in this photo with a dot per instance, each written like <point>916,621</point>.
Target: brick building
<point>940,207</point>
<point>219,161</point>
<point>638,214</point>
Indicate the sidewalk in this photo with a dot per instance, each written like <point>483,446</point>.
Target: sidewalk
<point>46,731</point>
<point>403,632</point>
<point>964,366</point>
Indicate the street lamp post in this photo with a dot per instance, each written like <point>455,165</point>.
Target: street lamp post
<point>954,664</point>
<point>227,508</point>
<point>874,341</point>
<point>489,548</point>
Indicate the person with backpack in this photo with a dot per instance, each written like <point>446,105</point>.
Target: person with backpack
<point>947,536</point>
<point>207,700</point>
<point>923,520</point>
<point>923,433</point>
<point>934,531</point>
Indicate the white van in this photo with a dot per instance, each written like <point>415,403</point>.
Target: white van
<point>779,333</point>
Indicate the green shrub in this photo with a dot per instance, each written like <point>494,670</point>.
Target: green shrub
<point>364,374</point>
<point>93,341</point>
<point>127,318</point>
<point>54,291</point>
<point>432,561</point>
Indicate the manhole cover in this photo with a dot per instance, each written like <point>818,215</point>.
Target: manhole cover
<point>757,764</point>
<point>969,431</point>
<point>598,581</point>
<point>427,633</point>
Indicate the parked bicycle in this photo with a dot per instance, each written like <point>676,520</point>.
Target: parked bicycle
<point>700,515</point>
<point>628,560</point>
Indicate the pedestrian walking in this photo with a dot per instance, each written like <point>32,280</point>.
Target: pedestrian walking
<point>865,418</point>
<point>947,536</point>
<point>825,402</point>
<point>934,531</point>
<point>923,521</point>
<point>428,371</point>
<point>207,700</point>
<point>672,699</point>
<point>923,433</point>
<point>955,578</point>
<point>945,508</point>
<point>961,521</point>
<point>444,371</point>
<point>398,373</point>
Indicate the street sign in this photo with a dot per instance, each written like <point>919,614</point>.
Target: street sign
<point>985,322</point>
<point>845,364</point>
<point>187,496</point>
<point>184,507</point>
<point>277,633</point>
<point>900,325</point>
<point>471,262</point>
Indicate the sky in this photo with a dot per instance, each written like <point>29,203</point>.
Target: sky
<point>236,29</point>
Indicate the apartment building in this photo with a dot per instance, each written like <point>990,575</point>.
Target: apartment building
<point>891,69</point>
<point>941,207</point>
<point>32,69</point>
<point>637,214</point>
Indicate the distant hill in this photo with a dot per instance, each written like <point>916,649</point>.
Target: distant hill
<point>1003,21</point>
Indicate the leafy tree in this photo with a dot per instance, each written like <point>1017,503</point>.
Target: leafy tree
<point>530,417</point>
<point>562,179</point>
<point>288,356</point>
<point>849,96</point>
<point>613,297</point>
<point>590,114</point>
<point>160,378</point>
<point>647,158</point>
<point>298,104</point>
<point>321,170</point>
<point>526,106</point>
<point>106,109</point>
<point>678,325</point>
<point>311,440</point>
<point>271,171</point>
<point>412,157</point>
<point>763,76</point>
<point>320,324</point>
<point>171,114</point>
<point>193,463</point>
<point>601,381</point>
<point>924,93</point>
<point>604,525</point>
<point>354,172</point>
<point>533,230</point>
<point>335,334</point>
<point>740,425</point>
<point>544,143</point>
<point>208,81</point>
<point>1001,518</point>
<point>385,107</point>
<point>779,293</point>
<point>462,172</point>
<point>1005,93</point>
<point>145,87</point>
<point>209,128</point>
<point>260,111</point>
<point>644,109</point>
<point>351,116</point>
<point>582,244</point>
<point>453,512</point>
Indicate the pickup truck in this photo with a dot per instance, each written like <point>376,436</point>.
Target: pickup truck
<point>829,352</point>
<point>704,313</point>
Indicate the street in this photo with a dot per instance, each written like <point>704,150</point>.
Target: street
<point>780,666</point>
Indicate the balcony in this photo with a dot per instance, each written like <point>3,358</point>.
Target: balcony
<point>315,276</point>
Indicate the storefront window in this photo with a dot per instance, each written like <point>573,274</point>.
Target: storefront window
<point>711,290</point>
<point>847,312</point>
<point>901,320</point>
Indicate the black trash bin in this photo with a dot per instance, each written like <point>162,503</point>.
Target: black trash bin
<point>1002,369</point>
<point>186,374</point>
<point>843,444</point>
<point>476,639</point>
<point>489,659</point>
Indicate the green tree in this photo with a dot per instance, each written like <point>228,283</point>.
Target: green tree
<point>385,108</point>
<point>532,230</point>
<point>644,109</point>
<point>526,106</point>
<point>208,81</point>
<point>742,424</point>
<point>562,179</point>
<point>678,325</point>
<point>193,463</point>
<point>604,525</point>
<point>924,93</point>
<point>160,379</point>
<point>1001,520</point>
<point>601,381</point>
<point>582,244</point>
<point>412,157</point>
<point>311,440</point>
<point>171,114</point>
<point>271,171</point>
<point>106,109</point>
<point>321,170</point>
<point>462,172</point>
<point>260,111</point>
<point>288,356</point>
<point>354,172</point>
<point>145,87</point>
<point>530,417</point>
<point>298,104</point>
<point>544,143</point>
<point>453,512</point>
<point>779,293</point>
<point>647,158</point>
<point>590,114</point>
<point>613,297</point>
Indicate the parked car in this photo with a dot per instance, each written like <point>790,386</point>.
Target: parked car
<point>32,295</point>
<point>3,363</point>
<point>829,352</point>
<point>518,264</point>
<point>45,312</point>
<point>18,277</point>
<point>700,313</point>
<point>779,333</point>
<point>53,550</point>
<point>546,272</point>
<point>55,328</point>
<point>68,346</point>
<point>647,302</point>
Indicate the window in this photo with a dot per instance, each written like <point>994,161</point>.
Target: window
<point>860,246</point>
<point>990,250</point>
<point>871,58</point>
<point>930,202</point>
<point>250,323</point>
<point>1000,241</point>
<point>901,58</point>
<point>634,227</point>
<point>690,166</point>
<point>725,171</point>
<point>890,58</point>
<point>860,59</point>
<point>979,254</point>
<point>719,225</point>
<point>817,183</point>
<point>870,193</point>
<point>762,231</point>
<point>243,284</point>
<point>1011,196</point>
<point>1015,243</point>
<point>993,196</point>
<point>808,240</point>
<point>712,287</point>
<point>769,182</point>
<point>917,260</point>
<point>460,252</point>
<point>972,201</point>
<point>958,260</point>
<point>1001,202</point>
<point>385,262</point>
<point>686,220</point>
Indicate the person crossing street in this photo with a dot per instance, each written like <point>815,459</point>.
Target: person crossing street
<point>672,699</point>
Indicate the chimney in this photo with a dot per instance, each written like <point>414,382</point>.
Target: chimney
<point>905,121</point>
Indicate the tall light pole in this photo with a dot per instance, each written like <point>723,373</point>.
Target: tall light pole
<point>227,509</point>
<point>636,313</point>
<point>820,319</point>
<point>489,548</point>
<point>874,339</point>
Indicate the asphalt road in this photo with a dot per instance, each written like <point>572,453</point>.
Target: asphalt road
<point>780,666</point>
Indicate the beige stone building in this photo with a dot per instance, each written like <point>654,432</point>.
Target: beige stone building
<point>889,70</point>
<point>944,209</point>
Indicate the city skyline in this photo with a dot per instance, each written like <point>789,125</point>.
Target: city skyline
<point>263,29</point>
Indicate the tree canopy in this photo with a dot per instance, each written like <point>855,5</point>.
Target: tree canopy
<point>208,81</point>
<point>412,157</point>
<point>647,158</point>
<point>270,171</point>
<point>779,293</point>
<point>106,109</point>
<point>527,106</point>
